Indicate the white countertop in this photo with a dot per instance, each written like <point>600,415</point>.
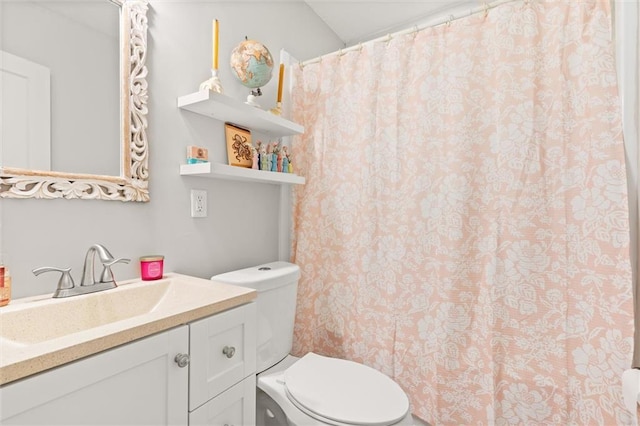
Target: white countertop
<point>39,333</point>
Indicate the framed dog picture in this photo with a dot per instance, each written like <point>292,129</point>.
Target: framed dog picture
<point>239,148</point>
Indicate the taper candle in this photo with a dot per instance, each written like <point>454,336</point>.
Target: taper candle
<point>280,78</point>
<point>215,44</point>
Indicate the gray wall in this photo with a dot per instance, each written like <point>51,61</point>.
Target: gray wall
<point>242,227</point>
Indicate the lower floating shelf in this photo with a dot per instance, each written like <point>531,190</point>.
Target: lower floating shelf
<point>223,171</point>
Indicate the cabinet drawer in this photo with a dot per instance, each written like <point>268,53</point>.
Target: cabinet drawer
<point>234,407</point>
<point>223,353</point>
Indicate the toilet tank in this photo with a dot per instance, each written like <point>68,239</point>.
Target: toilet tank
<point>276,284</point>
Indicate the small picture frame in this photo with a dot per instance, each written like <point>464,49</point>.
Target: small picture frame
<point>239,148</point>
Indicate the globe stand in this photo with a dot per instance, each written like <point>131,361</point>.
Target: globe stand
<point>213,83</point>
<point>251,99</point>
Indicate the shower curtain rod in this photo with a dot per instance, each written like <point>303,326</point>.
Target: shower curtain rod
<point>484,8</point>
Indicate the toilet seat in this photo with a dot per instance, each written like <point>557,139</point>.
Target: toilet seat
<point>340,392</point>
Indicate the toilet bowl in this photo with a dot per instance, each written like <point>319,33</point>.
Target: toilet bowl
<point>313,389</point>
<point>310,393</point>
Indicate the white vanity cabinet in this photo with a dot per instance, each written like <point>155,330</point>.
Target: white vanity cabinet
<point>142,383</point>
<point>135,384</point>
<point>222,379</point>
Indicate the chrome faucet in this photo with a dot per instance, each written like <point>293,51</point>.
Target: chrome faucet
<point>88,273</point>
<point>66,286</point>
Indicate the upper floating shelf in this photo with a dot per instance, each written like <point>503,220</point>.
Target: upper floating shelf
<point>230,110</point>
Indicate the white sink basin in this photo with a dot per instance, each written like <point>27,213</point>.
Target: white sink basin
<point>43,332</point>
<point>46,320</point>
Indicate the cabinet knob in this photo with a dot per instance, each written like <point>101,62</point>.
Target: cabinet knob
<point>182,360</point>
<point>229,351</point>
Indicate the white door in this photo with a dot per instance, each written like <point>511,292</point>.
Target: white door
<point>25,113</point>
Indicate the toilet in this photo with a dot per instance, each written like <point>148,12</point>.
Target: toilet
<point>313,389</point>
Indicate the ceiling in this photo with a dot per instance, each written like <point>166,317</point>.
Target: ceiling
<point>357,21</point>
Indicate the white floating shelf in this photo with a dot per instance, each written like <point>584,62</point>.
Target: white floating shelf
<point>223,171</point>
<point>230,110</point>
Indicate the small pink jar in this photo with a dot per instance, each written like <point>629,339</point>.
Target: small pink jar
<point>151,267</point>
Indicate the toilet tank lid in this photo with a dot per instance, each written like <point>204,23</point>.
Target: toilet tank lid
<point>261,277</point>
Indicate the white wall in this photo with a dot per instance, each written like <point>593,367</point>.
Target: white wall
<point>242,227</point>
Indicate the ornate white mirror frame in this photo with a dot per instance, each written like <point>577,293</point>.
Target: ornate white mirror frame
<point>132,184</point>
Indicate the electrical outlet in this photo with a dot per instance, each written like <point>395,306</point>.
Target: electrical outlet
<point>198,203</point>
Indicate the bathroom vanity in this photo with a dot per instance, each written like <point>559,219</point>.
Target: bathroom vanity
<point>189,358</point>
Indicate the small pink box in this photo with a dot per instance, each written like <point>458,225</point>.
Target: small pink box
<point>151,267</point>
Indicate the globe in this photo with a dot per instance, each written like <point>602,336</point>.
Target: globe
<point>252,64</point>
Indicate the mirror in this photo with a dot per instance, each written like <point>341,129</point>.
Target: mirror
<point>131,184</point>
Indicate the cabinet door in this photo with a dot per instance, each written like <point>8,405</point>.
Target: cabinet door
<point>135,384</point>
<point>234,407</point>
<point>223,352</point>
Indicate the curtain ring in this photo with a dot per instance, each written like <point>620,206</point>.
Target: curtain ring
<point>415,31</point>
<point>486,9</point>
<point>360,47</point>
<point>301,65</point>
<point>340,53</point>
<point>389,38</point>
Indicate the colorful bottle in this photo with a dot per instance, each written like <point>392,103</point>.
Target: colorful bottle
<point>5,286</point>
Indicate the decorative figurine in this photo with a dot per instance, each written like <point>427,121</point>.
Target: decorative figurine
<point>279,168</point>
<point>269,157</point>
<point>274,157</point>
<point>254,154</point>
<point>290,169</point>
<point>285,159</point>
<point>258,149</point>
<point>264,158</point>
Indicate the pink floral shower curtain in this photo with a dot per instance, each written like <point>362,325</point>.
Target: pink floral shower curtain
<point>464,225</point>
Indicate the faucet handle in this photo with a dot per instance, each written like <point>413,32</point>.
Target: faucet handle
<point>107,275</point>
<point>65,282</point>
<point>118,260</point>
